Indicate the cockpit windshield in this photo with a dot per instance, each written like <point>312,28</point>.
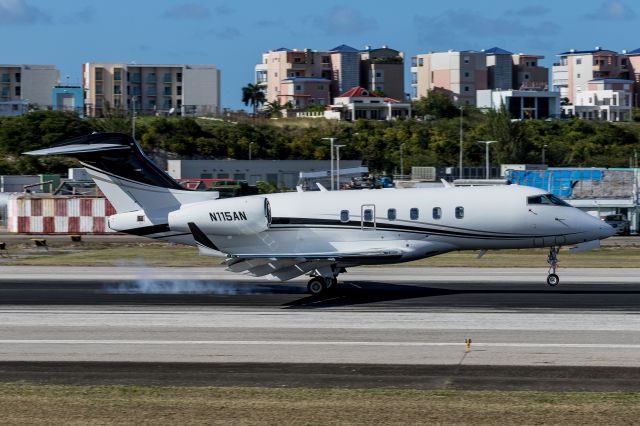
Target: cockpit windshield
<point>547,199</point>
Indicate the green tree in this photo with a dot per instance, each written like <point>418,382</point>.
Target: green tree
<point>252,94</point>
<point>115,119</point>
<point>435,105</point>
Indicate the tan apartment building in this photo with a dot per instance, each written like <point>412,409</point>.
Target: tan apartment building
<point>151,89</point>
<point>21,85</point>
<point>576,68</point>
<point>382,71</point>
<point>462,73</point>
<point>457,73</point>
<point>343,66</point>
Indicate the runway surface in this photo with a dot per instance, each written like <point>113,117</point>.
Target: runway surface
<point>396,318</point>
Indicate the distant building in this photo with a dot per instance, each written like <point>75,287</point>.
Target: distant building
<point>607,99</point>
<point>343,66</point>
<point>151,89</point>
<point>68,98</point>
<point>359,103</point>
<point>303,92</point>
<point>25,85</point>
<point>522,104</point>
<point>280,172</point>
<point>461,74</point>
<point>578,67</point>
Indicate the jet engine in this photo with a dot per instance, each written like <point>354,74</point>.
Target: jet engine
<point>231,216</point>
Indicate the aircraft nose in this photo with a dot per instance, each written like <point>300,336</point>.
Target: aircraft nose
<point>605,230</point>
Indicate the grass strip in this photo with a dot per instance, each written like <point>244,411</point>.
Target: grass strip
<point>77,405</point>
<point>168,255</point>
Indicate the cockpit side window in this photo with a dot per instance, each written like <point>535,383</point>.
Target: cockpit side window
<point>547,199</point>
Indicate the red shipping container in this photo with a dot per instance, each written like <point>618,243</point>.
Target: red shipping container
<point>86,208</point>
<point>48,225</point>
<point>23,224</point>
<point>108,208</point>
<point>61,207</point>
<point>98,225</point>
<point>74,224</point>
<point>36,207</point>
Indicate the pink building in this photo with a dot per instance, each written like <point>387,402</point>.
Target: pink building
<point>344,66</point>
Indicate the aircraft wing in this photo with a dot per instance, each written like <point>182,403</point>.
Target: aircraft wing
<point>287,266</point>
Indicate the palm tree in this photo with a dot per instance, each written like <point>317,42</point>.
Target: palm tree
<point>253,94</point>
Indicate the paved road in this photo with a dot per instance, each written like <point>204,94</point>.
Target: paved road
<point>396,318</point>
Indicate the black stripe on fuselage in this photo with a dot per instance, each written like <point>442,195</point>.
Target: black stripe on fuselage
<point>296,223</point>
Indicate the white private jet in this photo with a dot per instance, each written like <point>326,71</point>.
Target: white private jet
<point>286,235</point>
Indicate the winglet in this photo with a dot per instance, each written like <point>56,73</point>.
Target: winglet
<point>321,187</point>
<point>205,245</point>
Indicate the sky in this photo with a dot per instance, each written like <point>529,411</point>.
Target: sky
<point>233,35</point>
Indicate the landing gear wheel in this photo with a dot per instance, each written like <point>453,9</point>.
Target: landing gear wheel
<point>552,279</point>
<point>316,286</point>
<point>332,284</point>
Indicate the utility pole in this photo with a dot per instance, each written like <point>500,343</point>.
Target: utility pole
<point>338,165</point>
<point>133,118</point>
<point>332,140</point>
<point>250,143</point>
<point>402,161</point>
<point>487,143</point>
<point>461,137</point>
<point>544,147</point>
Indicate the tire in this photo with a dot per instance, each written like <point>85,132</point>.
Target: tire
<point>316,286</point>
<point>553,280</point>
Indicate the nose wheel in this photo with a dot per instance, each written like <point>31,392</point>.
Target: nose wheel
<point>553,279</point>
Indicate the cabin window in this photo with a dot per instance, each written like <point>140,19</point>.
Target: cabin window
<point>368,215</point>
<point>414,214</point>
<point>437,212</point>
<point>459,212</point>
<point>391,214</point>
<point>344,216</point>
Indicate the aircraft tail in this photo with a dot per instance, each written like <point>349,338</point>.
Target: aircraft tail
<point>126,176</point>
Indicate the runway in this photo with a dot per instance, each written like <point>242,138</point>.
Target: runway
<point>387,317</point>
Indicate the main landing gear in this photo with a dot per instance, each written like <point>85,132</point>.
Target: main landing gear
<point>553,279</point>
<point>320,286</point>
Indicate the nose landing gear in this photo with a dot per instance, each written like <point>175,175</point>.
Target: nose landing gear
<point>553,279</point>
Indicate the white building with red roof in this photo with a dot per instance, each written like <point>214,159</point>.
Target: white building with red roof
<point>358,103</point>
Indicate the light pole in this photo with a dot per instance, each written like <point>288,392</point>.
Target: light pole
<point>338,165</point>
<point>133,117</point>
<point>487,143</point>
<point>332,140</point>
<point>250,143</point>
<point>461,137</point>
<point>543,152</point>
<point>402,160</point>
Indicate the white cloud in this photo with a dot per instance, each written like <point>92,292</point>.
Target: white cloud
<point>613,10</point>
<point>344,20</point>
<point>16,12</point>
<point>188,11</point>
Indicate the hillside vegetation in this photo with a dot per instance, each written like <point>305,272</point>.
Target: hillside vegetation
<point>433,141</point>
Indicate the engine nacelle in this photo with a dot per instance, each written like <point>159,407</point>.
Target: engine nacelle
<point>231,216</point>
<point>125,222</point>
